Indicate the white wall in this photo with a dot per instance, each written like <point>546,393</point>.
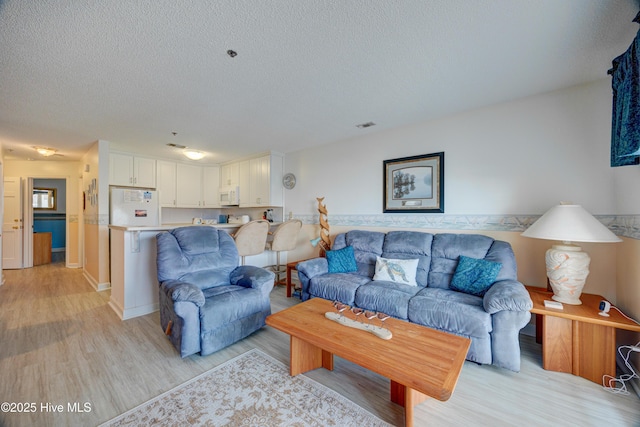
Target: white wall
<point>520,157</point>
<point>96,215</point>
<point>510,161</point>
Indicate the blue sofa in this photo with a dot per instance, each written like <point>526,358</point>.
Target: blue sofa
<point>491,318</point>
<point>207,302</point>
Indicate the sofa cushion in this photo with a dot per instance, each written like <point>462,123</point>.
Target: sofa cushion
<point>410,245</point>
<point>450,311</point>
<point>337,286</point>
<point>474,276</point>
<point>446,250</point>
<point>366,246</point>
<point>387,297</point>
<point>342,260</point>
<point>396,270</point>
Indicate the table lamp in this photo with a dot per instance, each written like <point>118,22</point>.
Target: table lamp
<point>567,265</point>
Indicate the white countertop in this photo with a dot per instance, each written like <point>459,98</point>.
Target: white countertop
<point>165,227</point>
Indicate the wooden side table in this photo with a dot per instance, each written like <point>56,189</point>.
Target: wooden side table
<point>290,267</point>
<point>577,339</point>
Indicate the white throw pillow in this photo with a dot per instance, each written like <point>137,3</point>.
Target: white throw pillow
<point>397,270</point>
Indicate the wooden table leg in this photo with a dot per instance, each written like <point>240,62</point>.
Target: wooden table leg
<point>594,351</point>
<point>407,398</point>
<point>304,357</point>
<point>408,411</point>
<point>557,348</point>
<point>289,284</point>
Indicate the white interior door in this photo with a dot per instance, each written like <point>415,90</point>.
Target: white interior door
<point>12,226</point>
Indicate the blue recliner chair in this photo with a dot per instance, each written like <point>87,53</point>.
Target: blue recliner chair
<point>207,301</point>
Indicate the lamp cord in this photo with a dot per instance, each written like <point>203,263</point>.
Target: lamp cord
<point>610,383</point>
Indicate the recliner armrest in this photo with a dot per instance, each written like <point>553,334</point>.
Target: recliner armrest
<point>509,295</point>
<point>251,276</point>
<point>183,291</point>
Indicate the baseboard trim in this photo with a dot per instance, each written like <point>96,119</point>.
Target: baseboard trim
<point>130,313</point>
<point>95,285</point>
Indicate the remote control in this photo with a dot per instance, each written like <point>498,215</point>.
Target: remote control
<point>553,304</point>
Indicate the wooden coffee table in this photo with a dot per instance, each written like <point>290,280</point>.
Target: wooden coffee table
<point>420,362</point>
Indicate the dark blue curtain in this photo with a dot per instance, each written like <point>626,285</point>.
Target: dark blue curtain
<point>625,122</point>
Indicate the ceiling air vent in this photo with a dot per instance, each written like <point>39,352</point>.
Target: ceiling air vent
<point>176,146</point>
<point>365,125</point>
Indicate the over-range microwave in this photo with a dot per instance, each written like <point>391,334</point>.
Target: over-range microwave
<point>229,196</point>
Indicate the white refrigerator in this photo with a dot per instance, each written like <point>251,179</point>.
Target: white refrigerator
<point>134,207</point>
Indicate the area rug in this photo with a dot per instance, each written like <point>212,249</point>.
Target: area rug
<point>252,389</point>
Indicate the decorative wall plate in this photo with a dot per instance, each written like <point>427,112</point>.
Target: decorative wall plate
<point>289,181</point>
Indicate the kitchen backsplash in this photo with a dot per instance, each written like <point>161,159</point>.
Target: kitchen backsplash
<point>184,215</point>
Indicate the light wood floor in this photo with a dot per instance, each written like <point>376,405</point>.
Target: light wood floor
<point>60,343</point>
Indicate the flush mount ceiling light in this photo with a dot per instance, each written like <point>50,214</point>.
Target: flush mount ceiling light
<point>44,151</point>
<point>365,125</point>
<point>193,154</point>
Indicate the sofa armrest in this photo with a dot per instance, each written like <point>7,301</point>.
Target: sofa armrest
<point>251,276</point>
<point>309,269</point>
<point>509,295</point>
<point>182,291</point>
<point>313,267</point>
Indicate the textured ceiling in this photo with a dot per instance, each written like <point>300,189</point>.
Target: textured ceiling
<point>306,73</point>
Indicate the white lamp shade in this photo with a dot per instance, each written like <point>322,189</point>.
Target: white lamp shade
<point>570,223</point>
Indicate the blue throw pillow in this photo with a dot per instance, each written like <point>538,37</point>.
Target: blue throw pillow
<point>342,260</point>
<point>474,276</point>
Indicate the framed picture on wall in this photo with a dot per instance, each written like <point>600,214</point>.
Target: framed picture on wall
<point>414,184</point>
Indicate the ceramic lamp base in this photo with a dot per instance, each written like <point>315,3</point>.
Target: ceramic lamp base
<point>567,270</point>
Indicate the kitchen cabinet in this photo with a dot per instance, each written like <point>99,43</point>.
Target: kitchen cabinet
<point>131,171</point>
<point>260,181</point>
<point>210,186</point>
<point>265,181</point>
<point>166,183</point>
<point>189,186</point>
<point>244,183</point>
<point>229,175</point>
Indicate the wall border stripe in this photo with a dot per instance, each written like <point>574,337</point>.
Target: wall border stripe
<point>621,225</point>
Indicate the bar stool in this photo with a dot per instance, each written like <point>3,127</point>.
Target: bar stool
<point>284,238</point>
<point>251,238</point>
